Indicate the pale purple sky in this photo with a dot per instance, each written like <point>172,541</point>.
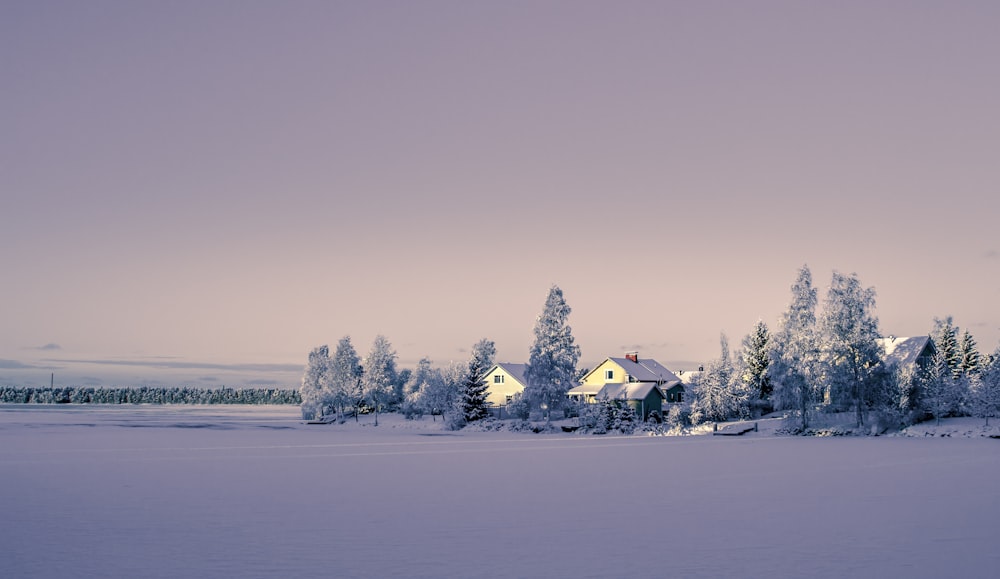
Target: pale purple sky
<point>190,189</point>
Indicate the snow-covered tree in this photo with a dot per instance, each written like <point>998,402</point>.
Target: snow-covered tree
<point>970,362</point>
<point>985,391</point>
<point>416,386</point>
<point>439,392</point>
<point>942,393</point>
<point>794,352</point>
<point>719,395</point>
<point>379,373</point>
<point>553,356</point>
<point>313,378</point>
<point>756,357</point>
<point>474,387</point>
<point>945,337</point>
<point>850,346</point>
<point>345,377</point>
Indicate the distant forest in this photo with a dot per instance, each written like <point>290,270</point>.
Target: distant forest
<point>146,395</point>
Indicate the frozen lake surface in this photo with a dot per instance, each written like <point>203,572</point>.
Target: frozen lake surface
<point>252,492</point>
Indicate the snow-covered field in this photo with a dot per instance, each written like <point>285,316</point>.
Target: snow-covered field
<point>253,492</point>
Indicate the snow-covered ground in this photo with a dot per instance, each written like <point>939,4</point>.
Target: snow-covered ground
<point>253,492</point>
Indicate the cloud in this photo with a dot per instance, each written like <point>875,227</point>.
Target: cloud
<point>15,365</point>
<point>262,383</point>
<point>48,347</point>
<point>173,364</point>
<point>992,254</point>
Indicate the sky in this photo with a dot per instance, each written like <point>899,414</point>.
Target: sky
<point>200,193</point>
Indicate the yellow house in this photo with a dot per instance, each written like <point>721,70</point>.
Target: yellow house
<point>504,381</point>
<point>628,370</point>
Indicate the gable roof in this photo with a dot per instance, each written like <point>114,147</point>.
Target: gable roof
<point>515,371</point>
<point>646,370</point>
<point>629,391</point>
<point>903,351</point>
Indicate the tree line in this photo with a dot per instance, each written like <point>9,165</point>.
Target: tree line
<point>146,395</point>
<point>831,359</point>
<point>341,384</point>
<point>834,360</point>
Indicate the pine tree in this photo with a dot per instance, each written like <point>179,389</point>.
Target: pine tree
<point>379,373</point>
<point>313,378</point>
<point>756,361</point>
<point>970,360</point>
<point>986,390</point>
<point>850,345</point>
<point>941,392</point>
<point>553,356</point>
<point>474,387</point>
<point>945,337</point>
<point>794,353</point>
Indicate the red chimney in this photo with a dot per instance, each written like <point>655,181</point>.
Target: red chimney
<point>634,356</point>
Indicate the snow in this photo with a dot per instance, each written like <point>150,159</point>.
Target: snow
<point>254,492</point>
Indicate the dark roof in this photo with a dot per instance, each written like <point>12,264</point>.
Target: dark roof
<point>646,370</point>
<point>516,371</point>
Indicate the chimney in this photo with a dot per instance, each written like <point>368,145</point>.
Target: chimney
<point>634,356</point>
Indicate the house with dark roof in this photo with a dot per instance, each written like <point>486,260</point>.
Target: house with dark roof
<point>505,380</point>
<point>638,381</point>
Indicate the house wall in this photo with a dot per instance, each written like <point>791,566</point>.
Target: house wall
<point>651,403</point>
<point>675,394</point>
<point>498,393</point>
<point>596,377</point>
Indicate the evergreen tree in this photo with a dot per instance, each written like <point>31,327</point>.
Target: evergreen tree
<point>945,337</point>
<point>756,361</point>
<point>850,345</point>
<point>986,390</point>
<point>941,391</point>
<point>474,387</point>
<point>345,377</point>
<point>379,373</point>
<point>794,353</point>
<point>313,379</point>
<point>553,356</point>
<point>970,360</point>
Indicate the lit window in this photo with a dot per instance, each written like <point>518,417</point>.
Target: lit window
<point>609,374</point>
<point>498,379</point>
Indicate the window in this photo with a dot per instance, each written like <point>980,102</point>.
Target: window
<point>498,379</point>
<point>609,374</point>
<point>510,398</point>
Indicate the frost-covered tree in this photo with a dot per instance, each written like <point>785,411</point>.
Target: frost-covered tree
<point>969,363</point>
<point>474,387</point>
<point>756,357</point>
<point>416,386</point>
<point>941,391</point>
<point>718,394</point>
<point>553,356</point>
<point>985,391</point>
<point>850,346</point>
<point>313,379</point>
<point>945,337</point>
<point>439,393</point>
<point>379,373</point>
<point>345,377</point>
<point>795,353</point>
